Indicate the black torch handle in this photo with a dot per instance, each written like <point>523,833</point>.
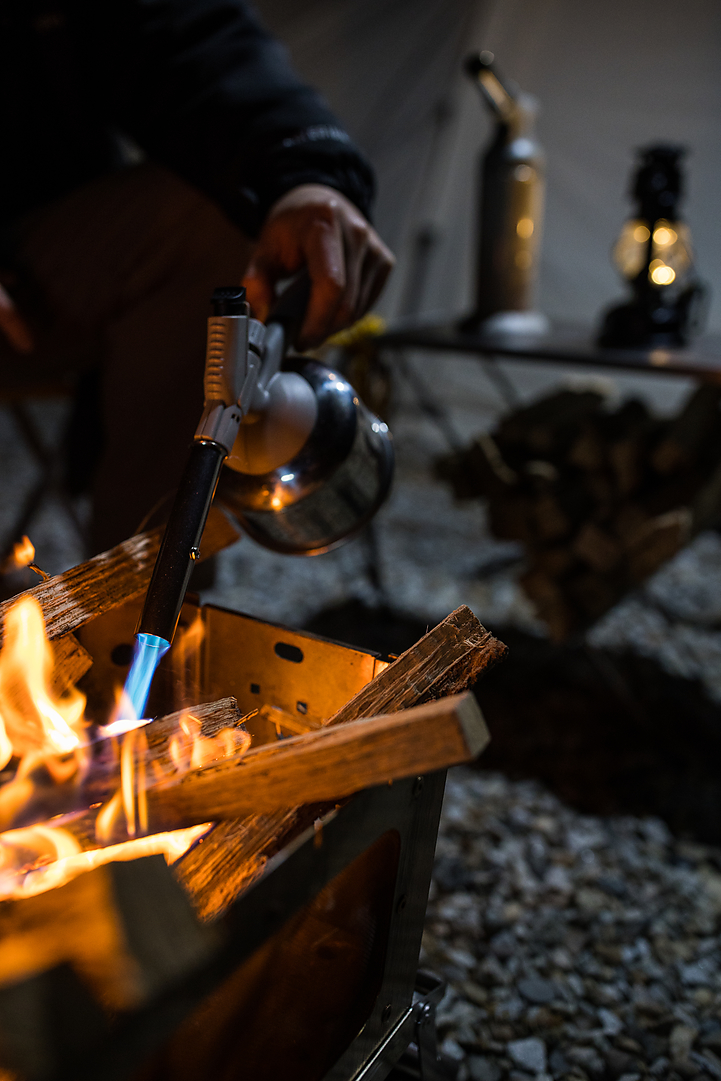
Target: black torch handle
<point>180,546</point>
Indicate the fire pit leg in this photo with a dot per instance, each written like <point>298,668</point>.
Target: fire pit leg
<point>431,1067</point>
<point>421,1061</point>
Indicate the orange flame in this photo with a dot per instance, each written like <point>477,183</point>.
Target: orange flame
<point>41,727</point>
<point>189,749</point>
<point>34,720</point>
<point>40,858</point>
<point>23,553</point>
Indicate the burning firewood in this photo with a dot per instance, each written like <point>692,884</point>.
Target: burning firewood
<point>107,580</point>
<point>327,764</point>
<point>71,662</point>
<point>137,790</point>
<point>36,796</point>
<point>599,498</point>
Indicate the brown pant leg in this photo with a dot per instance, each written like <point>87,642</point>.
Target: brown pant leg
<point>124,268</point>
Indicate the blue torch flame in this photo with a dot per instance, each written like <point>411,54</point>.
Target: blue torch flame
<point>148,653</point>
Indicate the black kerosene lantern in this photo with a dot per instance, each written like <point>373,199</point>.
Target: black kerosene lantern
<point>654,255</point>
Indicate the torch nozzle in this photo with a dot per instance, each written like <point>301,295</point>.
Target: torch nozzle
<point>148,653</point>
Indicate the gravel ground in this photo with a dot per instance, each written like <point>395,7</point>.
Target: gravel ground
<point>575,947</point>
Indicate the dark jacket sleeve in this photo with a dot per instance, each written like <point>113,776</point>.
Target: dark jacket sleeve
<point>205,89</point>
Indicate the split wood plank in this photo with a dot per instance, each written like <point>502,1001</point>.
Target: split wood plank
<point>36,799</point>
<point>213,717</point>
<point>71,662</point>
<point>327,764</point>
<point>107,580</point>
<point>448,659</point>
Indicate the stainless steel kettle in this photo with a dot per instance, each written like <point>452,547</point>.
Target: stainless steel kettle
<point>327,490</point>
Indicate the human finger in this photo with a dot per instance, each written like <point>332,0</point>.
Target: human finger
<point>325,259</point>
<point>377,265</point>
<point>259,282</point>
<point>13,326</point>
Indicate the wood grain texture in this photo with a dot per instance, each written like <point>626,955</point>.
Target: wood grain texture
<point>104,777</point>
<point>327,764</point>
<point>70,599</point>
<point>449,659</point>
<point>71,662</point>
<point>43,799</point>
<point>212,716</point>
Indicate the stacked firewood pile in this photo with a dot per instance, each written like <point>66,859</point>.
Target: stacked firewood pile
<point>600,498</point>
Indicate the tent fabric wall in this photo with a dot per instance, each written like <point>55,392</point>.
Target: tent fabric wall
<point>610,77</point>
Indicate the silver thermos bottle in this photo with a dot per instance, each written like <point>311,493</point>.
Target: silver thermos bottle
<point>511,209</point>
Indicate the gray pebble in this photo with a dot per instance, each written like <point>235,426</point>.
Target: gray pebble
<point>453,1049</point>
<point>588,1059</point>
<point>611,1023</point>
<point>537,990</point>
<point>529,1054</point>
<point>596,938</point>
<point>481,1068</point>
<point>558,1063</point>
<point>681,1041</point>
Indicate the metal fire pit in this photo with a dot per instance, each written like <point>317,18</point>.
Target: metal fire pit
<point>309,972</point>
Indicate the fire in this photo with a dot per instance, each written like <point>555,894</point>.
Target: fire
<point>23,553</point>
<point>40,858</point>
<point>191,750</point>
<point>36,723</point>
<point>43,738</point>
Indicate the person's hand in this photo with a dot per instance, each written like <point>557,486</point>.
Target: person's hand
<point>12,325</point>
<point>316,227</point>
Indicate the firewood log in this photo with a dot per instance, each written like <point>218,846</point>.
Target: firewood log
<point>327,764</point>
<point>594,593</point>
<point>597,548</point>
<point>689,430</point>
<point>627,459</point>
<point>448,659</point>
<point>550,603</point>
<point>480,470</point>
<point>707,504</point>
<point>510,518</point>
<point>39,797</point>
<point>657,541</point>
<point>70,599</point>
<point>545,425</point>
<point>588,451</point>
<point>550,522</point>
<point>553,561</point>
<point>71,662</point>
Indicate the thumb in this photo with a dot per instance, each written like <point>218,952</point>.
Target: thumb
<point>13,326</point>
<point>259,289</point>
